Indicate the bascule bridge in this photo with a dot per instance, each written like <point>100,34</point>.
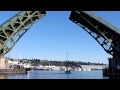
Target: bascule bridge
<point>106,34</point>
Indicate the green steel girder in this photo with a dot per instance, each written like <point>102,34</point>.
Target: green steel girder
<point>107,35</point>
<point>15,27</point>
<point>101,40</point>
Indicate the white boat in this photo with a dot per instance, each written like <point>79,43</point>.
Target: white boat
<point>79,69</point>
<point>88,69</point>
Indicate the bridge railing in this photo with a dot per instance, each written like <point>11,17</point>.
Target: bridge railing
<point>103,21</point>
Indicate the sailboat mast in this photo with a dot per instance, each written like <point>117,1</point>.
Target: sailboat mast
<point>67,59</point>
<point>67,55</point>
<point>49,62</point>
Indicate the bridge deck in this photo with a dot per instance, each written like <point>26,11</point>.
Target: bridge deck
<point>114,28</point>
<point>93,24</point>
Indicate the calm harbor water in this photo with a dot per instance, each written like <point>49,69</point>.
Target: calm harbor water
<point>95,74</point>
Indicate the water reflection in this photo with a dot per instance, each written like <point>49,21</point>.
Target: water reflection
<point>97,74</point>
<point>67,76</point>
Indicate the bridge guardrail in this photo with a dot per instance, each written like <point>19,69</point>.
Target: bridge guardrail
<point>103,21</point>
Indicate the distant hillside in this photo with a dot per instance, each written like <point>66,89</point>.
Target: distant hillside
<point>57,63</point>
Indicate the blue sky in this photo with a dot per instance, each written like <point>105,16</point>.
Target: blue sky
<point>54,34</point>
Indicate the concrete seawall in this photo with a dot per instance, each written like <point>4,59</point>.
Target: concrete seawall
<point>13,71</point>
<point>5,70</point>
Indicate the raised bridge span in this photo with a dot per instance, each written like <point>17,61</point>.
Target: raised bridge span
<point>106,34</point>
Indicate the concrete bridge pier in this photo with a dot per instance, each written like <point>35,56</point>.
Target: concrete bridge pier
<point>114,62</point>
<point>5,70</point>
<point>114,68</point>
<point>3,64</point>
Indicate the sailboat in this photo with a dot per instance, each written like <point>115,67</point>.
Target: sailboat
<point>67,70</point>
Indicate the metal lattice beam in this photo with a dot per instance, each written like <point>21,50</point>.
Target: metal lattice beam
<point>104,33</point>
<point>15,27</point>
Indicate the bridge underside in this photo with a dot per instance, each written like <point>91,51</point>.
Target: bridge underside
<point>107,35</point>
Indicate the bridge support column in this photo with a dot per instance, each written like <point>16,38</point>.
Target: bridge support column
<point>114,67</point>
<point>112,63</point>
<point>2,62</point>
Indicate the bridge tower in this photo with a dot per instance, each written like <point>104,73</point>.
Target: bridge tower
<point>14,28</point>
<point>106,34</point>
